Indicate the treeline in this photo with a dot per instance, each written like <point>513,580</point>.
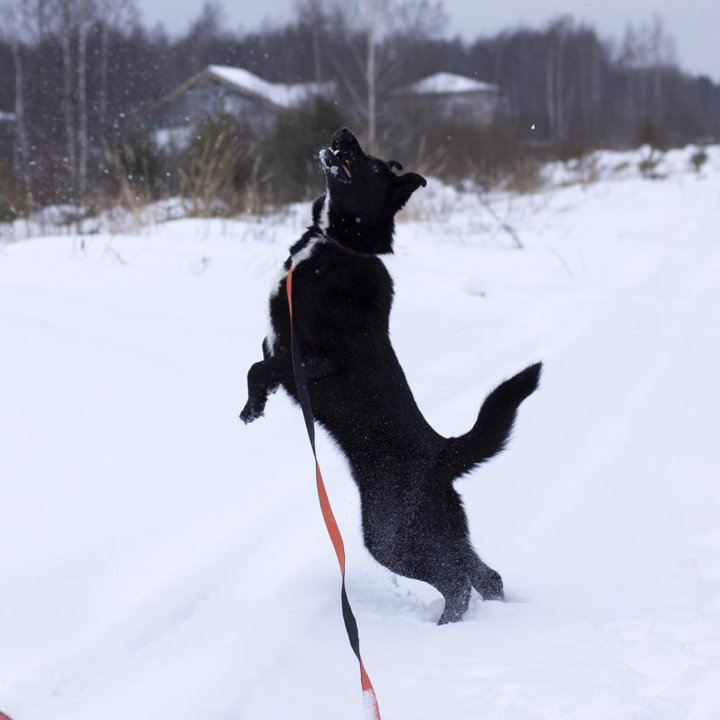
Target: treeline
<point>77,75</point>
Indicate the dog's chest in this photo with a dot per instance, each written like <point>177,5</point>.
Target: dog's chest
<point>279,286</point>
<point>332,287</point>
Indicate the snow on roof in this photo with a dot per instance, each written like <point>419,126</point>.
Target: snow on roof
<point>7,117</point>
<point>446,83</point>
<point>280,94</point>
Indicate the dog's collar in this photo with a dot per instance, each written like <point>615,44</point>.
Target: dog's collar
<point>337,243</point>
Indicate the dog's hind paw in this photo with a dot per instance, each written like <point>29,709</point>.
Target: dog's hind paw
<point>491,586</point>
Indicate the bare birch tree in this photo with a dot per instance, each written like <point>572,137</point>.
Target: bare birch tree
<point>558,80</point>
<point>67,19</point>
<point>313,14</point>
<point>661,55</point>
<point>362,62</point>
<point>16,12</point>
<point>647,56</point>
<point>85,17</point>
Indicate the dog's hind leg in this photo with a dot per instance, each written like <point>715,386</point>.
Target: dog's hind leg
<point>483,578</point>
<point>456,591</point>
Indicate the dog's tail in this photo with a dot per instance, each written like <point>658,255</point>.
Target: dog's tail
<point>492,429</point>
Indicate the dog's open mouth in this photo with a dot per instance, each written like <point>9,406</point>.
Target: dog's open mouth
<point>334,163</point>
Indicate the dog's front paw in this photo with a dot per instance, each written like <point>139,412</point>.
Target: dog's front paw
<point>251,412</point>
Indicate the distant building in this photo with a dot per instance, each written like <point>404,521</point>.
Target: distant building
<point>452,97</point>
<point>218,90</point>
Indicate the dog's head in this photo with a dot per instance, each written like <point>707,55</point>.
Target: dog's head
<point>362,195</point>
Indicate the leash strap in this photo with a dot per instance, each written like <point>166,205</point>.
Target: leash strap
<point>372,710</point>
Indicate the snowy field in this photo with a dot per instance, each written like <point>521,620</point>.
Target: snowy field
<point>161,560</point>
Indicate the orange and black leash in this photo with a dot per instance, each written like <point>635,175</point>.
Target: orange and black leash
<point>372,709</point>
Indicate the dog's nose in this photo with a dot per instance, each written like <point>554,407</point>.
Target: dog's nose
<point>344,137</point>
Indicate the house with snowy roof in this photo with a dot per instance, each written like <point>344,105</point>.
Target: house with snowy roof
<point>452,97</point>
<point>223,90</point>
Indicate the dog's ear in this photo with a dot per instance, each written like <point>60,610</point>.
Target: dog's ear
<point>403,187</point>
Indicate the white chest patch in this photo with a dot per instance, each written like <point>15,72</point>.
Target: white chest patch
<point>279,283</point>
<point>307,251</point>
<point>324,220</point>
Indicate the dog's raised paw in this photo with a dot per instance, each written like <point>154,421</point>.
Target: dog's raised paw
<point>250,413</point>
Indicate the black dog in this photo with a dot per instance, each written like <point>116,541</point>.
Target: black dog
<point>413,519</point>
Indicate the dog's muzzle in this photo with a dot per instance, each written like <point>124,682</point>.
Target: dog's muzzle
<point>334,163</point>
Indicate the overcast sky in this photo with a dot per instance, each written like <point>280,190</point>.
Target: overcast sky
<point>694,24</point>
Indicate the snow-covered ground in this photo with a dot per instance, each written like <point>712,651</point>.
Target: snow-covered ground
<point>162,560</point>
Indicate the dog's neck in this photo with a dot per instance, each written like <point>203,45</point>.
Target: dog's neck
<point>355,237</point>
<point>338,244</point>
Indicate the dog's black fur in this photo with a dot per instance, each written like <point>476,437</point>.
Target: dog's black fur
<point>413,519</point>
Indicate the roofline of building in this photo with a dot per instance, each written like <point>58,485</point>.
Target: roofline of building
<point>411,88</point>
<point>249,93</point>
<point>193,80</point>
